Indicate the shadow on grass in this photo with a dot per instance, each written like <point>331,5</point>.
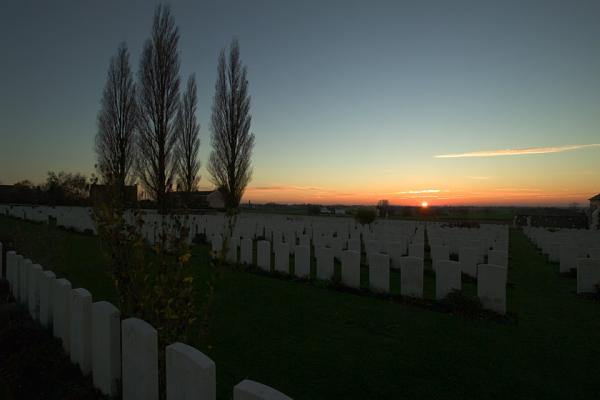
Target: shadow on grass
<point>456,303</point>
<point>33,364</point>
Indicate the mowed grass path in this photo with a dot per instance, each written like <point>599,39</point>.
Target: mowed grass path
<point>315,343</point>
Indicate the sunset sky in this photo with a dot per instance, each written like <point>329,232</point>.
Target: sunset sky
<point>449,102</point>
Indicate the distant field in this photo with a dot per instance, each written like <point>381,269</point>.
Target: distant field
<point>315,343</point>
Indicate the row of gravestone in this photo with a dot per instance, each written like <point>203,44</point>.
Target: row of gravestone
<point>112,350</point>
<point>409,238</point>
<point>491,279</point>
<point>572,249</point>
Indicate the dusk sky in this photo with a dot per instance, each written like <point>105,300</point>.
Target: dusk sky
<point>352,102</point>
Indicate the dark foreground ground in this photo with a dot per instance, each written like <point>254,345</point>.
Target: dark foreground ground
<point>316,343</point>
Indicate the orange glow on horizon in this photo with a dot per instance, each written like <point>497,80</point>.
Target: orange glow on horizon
<point>464,196</point>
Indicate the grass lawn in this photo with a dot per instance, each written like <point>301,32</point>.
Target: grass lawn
<point>315,343</point>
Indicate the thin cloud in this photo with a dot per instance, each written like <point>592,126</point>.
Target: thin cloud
<point>517,152</point>
<point>479,178</point>
<point>419,191</point>
<point>283,188</point>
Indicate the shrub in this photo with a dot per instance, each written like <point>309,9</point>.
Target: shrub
<point>365,215</point>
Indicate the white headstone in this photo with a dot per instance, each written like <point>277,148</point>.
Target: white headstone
<point>282,257</point>
<point>11,269</point>
<point>61,311</point>
<point>24,268</point>
<point>447,278</point>
<point>232,250</point>
<point>351,269</point>
<point>246,253</point>
<point>34,291</point>
<point>416,249</point>
<point>568,258</point>
<point>379,273</point>
<point>302,261</point>
<point>498,258</point>
<point>354,245</point>
<point>251,390</point>
<point>106,347</point>
<point>46,284</point>
<point>395,250</point>
<point>411,276</point>
<point>263,255</point>
<point>305,240</point>
<point>324,257</point>
<point>467,256</point>
<point>440,253</point>
<point>81,329</point>
<point>140,360</point>
<point>491,287</point>
<point>588,275</point>
<point>216,245</point>
<point>190,373</point>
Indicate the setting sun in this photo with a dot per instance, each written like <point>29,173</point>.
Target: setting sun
<point>424,204</point>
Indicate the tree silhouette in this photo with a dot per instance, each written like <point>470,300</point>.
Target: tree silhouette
<point>232,142</point>
<point>188,141</point>
<point>384,208</point>
<point>115,144</point>
<point>158,103</point>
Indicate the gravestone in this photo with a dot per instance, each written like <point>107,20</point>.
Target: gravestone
<point>588,275</point>
<point>371,246</point>
<point>282,257</point>
<point>246,252</point>
<point>305,240</point>
<point>417,250</point>
<point>439,253</point>
<point>34,291</point>
<point>468,260</point>
<point>324,263</point>
<point>379,273</point>
<point>216,245</point>
<point>395,250</point>
<point>24,268</point>
<point>190,373</point>
<point>61,311</point>
<point>411,276</point>
<point>263,255</point>
<point>302,261</point>
<point>81,329</point>
<point>354,245</point>
<point>491,287</point>
<point>498,258</point>
<point>351,269</point>
<point>46,284</point>
<point>232,250</point>
<point>251,390</point>
<point>447,278</point>
<point>106,347</point>
<point>139,349</point>
<point>11,268</point>
<point>568,258</point>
